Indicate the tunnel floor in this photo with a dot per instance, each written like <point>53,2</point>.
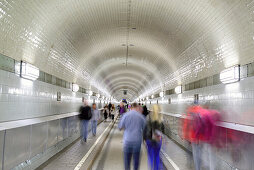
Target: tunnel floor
<point>109,156</point>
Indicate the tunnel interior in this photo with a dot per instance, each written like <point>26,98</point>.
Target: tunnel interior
<point>166,52</point>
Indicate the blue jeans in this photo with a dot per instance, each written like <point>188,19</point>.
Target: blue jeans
<point>85,128</point>
<point>94,126</point>
<point>196,151</point>
<point>131,150</point>
<point>153,151</point>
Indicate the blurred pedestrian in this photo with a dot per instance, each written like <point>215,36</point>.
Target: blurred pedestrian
<point>95,118</point>
<point>109,109</point>
<point>192,126</point>
<point>113,107</point>
<point>122,109</point>
<point>113,112</point>
<point>85,115</point>
<point>153,137</point>
<point>105,112</point>
<point>145,110</point>
<point>133,123</point>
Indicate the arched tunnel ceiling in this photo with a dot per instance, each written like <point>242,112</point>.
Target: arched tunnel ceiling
<point>139,45</point>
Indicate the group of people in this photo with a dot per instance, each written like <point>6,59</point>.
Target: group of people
<point>124,108</point>
<point>137,128</point>
<point>89,114</point>
<point>109,111</point>
<point>198,125</point>
<point>86,115</point>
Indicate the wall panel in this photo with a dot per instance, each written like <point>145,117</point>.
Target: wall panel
<point>17,146</point>
<point>235,101</point>
<point>52,133</point>
<point>33,98</point>
<point>1,147</point>
<point>63,128</point>
<point>38,138</point>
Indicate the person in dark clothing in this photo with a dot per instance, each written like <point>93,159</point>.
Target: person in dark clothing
<point>109,106</point>
<point>153,137</point>
<point>105,112</point>
<point>122,109</point>
<point>145,110</point>
<point>109,109</point>
<point>85,114</point>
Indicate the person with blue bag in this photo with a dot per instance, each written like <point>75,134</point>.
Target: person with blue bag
<point>153,135</point>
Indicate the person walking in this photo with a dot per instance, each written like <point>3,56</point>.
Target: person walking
<point>122,109</point>
<point>105,112</point>
<point>95,118</point>
<point>133,124</point>
<point>85,115</point>
<point>153,137</point>
<point>145,110</point>
<point>113,112</point>
<point>109,109</point>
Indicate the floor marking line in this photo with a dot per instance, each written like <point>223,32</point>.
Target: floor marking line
<point>170,160</point>
<point>91,149</point>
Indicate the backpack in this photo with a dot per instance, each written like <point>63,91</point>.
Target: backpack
<point>85,113</point>
<point>154,131</point>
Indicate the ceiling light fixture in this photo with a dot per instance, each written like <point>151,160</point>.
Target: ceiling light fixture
<point>162,94</point>
<point>27,71</point>
<point>178,89</point>
<point>230,75</point>
<point>75,87</point>
<point>90,93</point>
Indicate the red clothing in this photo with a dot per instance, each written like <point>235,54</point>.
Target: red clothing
<point>199,124</point>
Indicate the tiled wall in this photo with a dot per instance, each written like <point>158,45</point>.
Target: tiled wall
<point>236,104</point>
<point>235,101</point>
<point>22,99</point>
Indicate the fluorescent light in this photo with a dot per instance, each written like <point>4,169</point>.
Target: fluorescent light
<point>28,71</point>
<point>230,75</point>
<point>178,89</point>
<point>162,94</point>
<point>147,98</point>
<point>75,87</point>
<point>152,96</point>
<point>90,93</point>
<point>98,95</point>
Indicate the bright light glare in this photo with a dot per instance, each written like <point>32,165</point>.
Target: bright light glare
<point>162,94</point>
<point>178,89</point>
<point>90,93</point>
<point>28,71</point>
<point>230,75</point>
<point>75,87</point>
<point>147,98</point>
<point>152,96</point>
<point>98,95</point>
<point>26,83</point>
